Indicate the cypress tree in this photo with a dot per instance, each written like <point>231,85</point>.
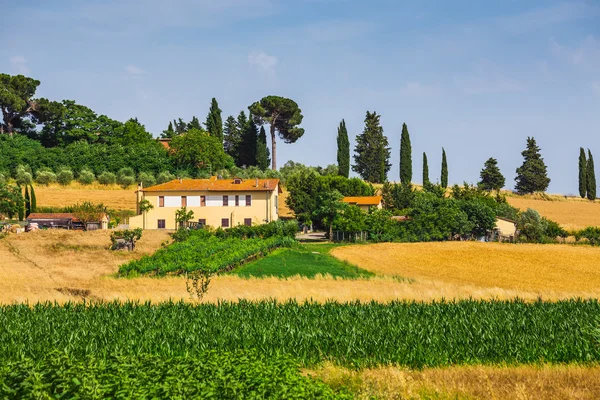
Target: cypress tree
<point>33,199</point>
<point>582,173</point>
<point>491,177</point>
<point>343,150</point>
<point>247,149</point>
<point>405,157</point>
<point>169,133</point>
<point>444,177</point>
<point>214,121</point>
<point>532,176</point>
<point>372,153</point>
<point>27,201</point>
<point>194,124</point>
<point>425,170</point>
<point>231,137</point>
<point>591,177</point>
<point>262,150</point>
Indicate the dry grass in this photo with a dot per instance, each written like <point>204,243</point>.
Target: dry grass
<point>471,382</point>
<point>554,270</point>
<point>571,213</point>
<point>71,265</point>
<point>112,196</point>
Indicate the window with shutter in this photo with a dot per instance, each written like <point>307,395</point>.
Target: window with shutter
<point>248,200</point>
<point>161,201</point>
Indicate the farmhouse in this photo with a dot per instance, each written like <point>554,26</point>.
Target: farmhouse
<point>215,202</point>
<point>364,202</point>
<point>505,229</point>
<point>65,221</point>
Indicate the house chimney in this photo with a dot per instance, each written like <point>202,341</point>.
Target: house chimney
<point>256,182</point>
<point>180,180</point>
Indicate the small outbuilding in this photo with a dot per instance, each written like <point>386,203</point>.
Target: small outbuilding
<point>64,221</point>
<point>505,230</point>
<point>364,202</point>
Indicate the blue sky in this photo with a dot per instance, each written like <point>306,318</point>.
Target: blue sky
<point>475,77</point>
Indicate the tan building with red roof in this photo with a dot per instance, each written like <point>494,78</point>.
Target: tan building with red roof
<point>364,202</point>
<point>215,202</point>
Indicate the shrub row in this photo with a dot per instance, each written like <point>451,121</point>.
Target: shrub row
<point>350,334</point>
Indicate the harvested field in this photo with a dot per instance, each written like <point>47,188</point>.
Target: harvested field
<point>570,213</point>
<point>72,265</point>
<point>472,382</point>
<point>527,267</point>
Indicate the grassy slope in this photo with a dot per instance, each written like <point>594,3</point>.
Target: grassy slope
<point>308,260</point>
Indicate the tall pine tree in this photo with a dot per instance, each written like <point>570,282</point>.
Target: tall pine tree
<point>372,153</point>
<point>491,177</point>
<point>582,173</point>
<point>169,133</point>
<point>263,158</point>
<point>27,202</point>
<point>444,177</point>
<point>405,157</point>
<point>33,199</point>
<point>343,150</point>
<point>591,177</point>
<point>232,137</point>
<point>425,170</point>
<point>214,121</point>
<point>532,176</point>
<point>247,149</point>
<point>194,124</point>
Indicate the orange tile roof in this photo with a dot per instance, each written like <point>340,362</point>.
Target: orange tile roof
<point>363,200</point>
<point>216,185</point>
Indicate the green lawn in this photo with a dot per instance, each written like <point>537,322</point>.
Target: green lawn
<point>305,260</point>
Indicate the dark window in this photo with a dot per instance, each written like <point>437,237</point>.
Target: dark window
<point>225,201</point>
<point>161,224</point>
<point>225,223</point>
<point>202,201</point>
<point>183,201</point>
<point>248,221</point>
<point>202,221</point>
<point>237,200</point>
<point>248,200</point>
<point>161,201</point>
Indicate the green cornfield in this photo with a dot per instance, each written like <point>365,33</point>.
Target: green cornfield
<point>348,334</point>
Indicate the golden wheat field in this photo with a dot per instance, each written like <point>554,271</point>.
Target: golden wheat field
<point>112,196</point>
<point>558,269</point>
<point>570,213</point>
<point>467,382</point>
<point>71,265</point>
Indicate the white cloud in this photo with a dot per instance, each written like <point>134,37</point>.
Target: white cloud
<point>19,63</point>
<point>133,70</point>
<point>585,55</point>
<point>263,61</point>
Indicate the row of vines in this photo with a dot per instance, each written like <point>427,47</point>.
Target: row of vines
<point>204,252</point>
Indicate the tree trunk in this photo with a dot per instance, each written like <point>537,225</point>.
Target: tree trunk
<point>273,149</point>
<point>331,232</point>
<point>9,127</point>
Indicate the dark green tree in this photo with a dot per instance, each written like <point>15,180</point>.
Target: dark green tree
<point>343,150</point>
<point>214,121</point>
<point>425,170</point>
<point>532,176</point>
<point>591,177</point>
<point>33,199</point>
<point>11,200</point>
<point>262,150</point>
<point>405,157</point>
<point>491,177</point>
<point>232,137</point>
<point>372,153</point>
<point>582,173</point>
<point>27,201</point>
<point>133,133</point>
<point>17,102</point>
<point>180,126</point>
<point>444,177</point>
<point>248,146</point>
<point>283,116</point>
<point>168,133</point>
<point>194,124</point>
<point>328,208</point>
